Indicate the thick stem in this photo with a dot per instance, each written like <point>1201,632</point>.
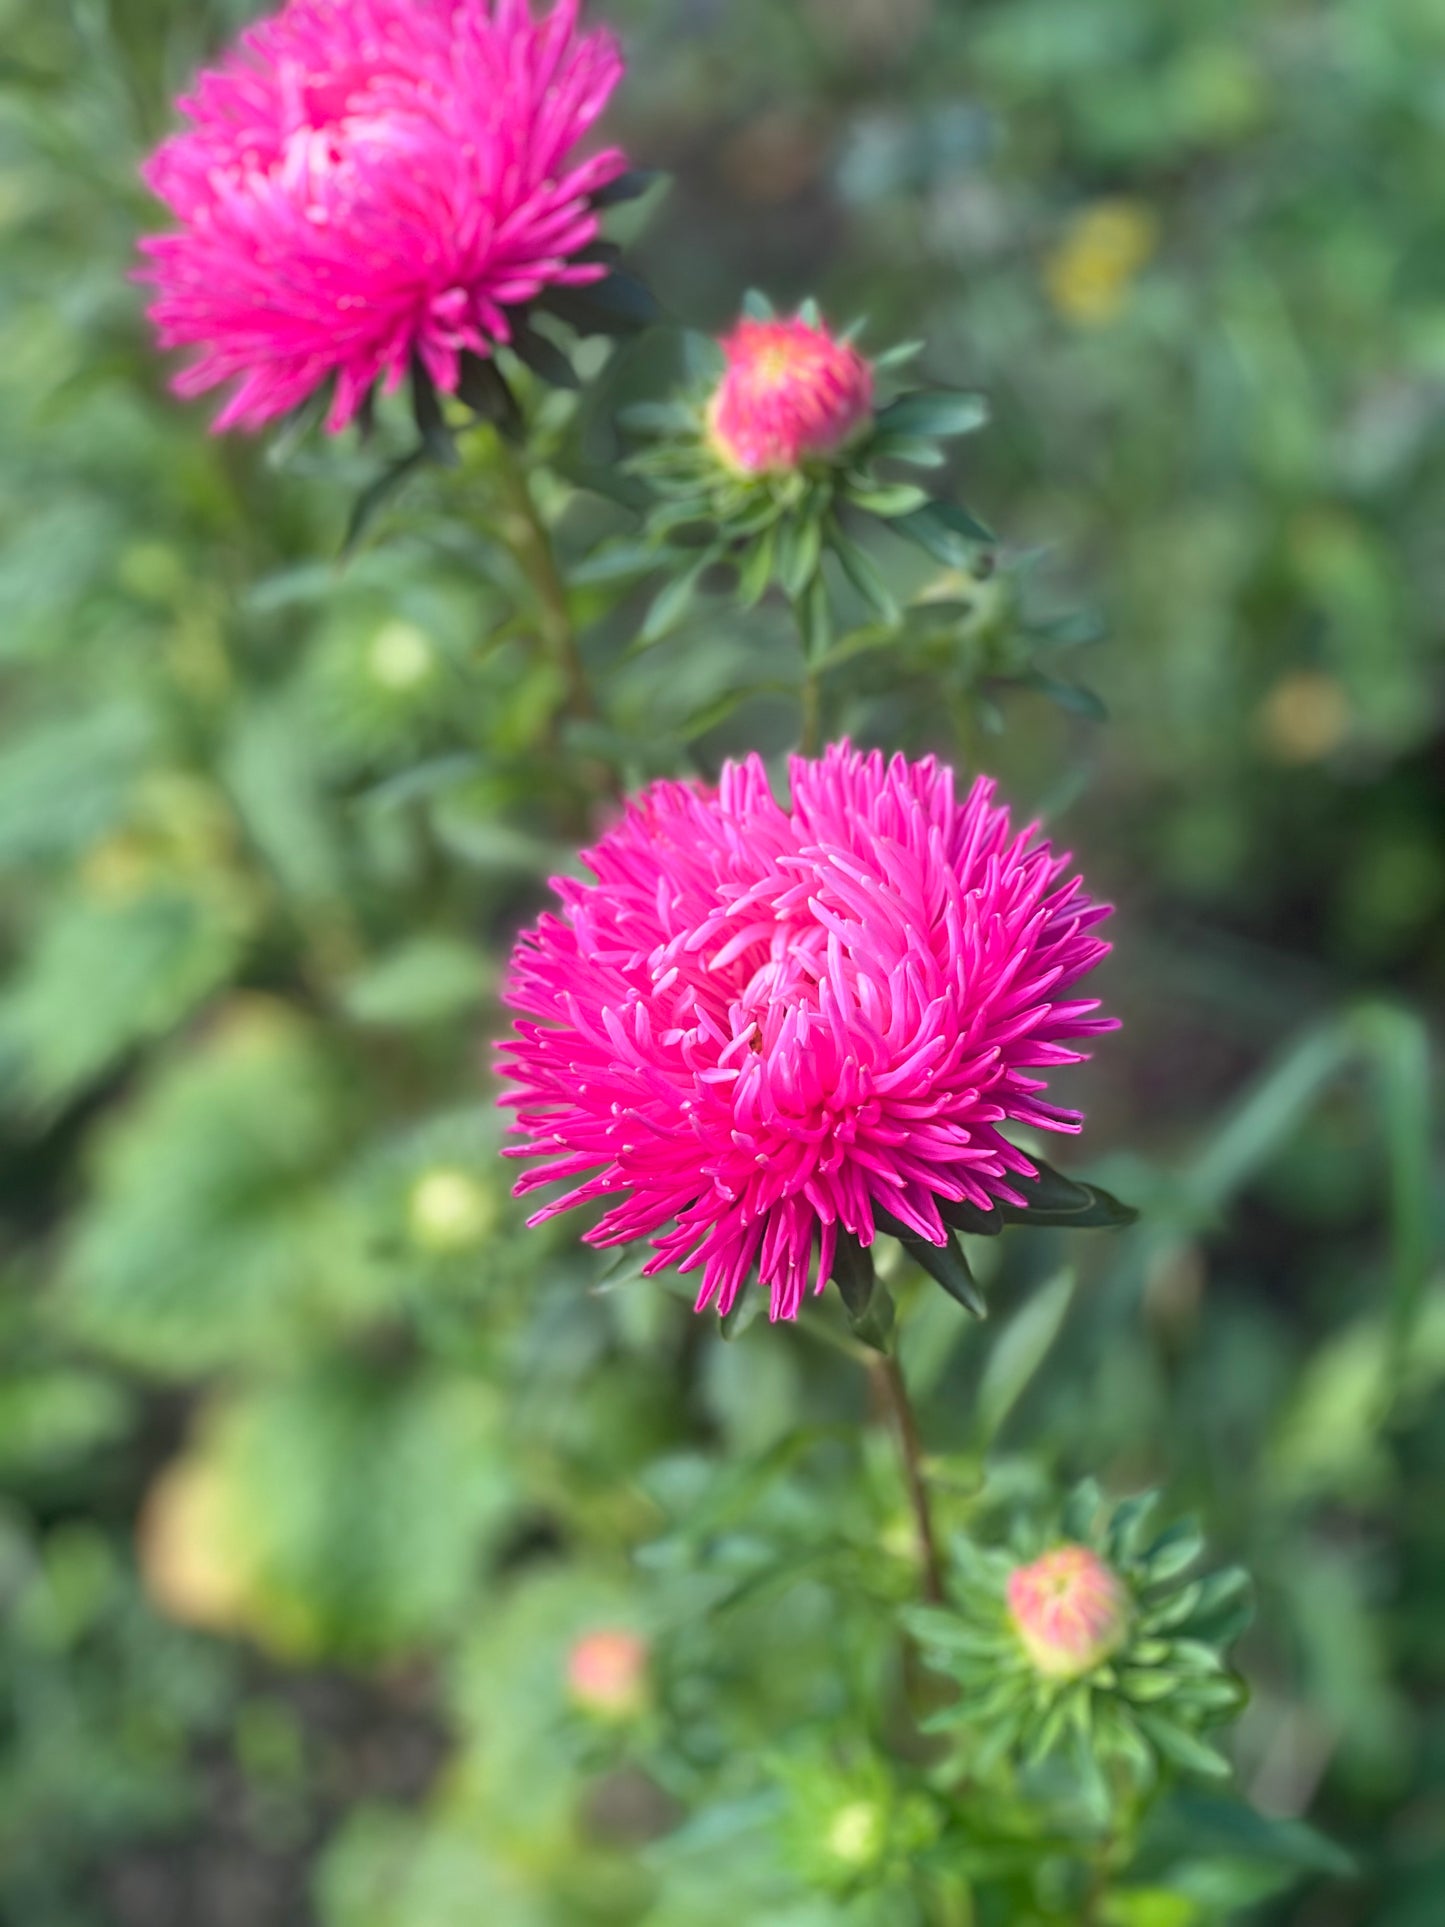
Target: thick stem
<point>893,1395</point>
<point>531,543</point>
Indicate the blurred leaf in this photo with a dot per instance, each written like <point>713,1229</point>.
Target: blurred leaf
<point>426,980</point>
<point>1018,1352</point>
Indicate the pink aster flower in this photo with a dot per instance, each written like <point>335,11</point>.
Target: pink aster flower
<point>760,1025</point>
<point>791,393</point>
<point>365,181</point>
<point>1070,1611</point>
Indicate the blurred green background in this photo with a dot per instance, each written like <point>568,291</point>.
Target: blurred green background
<point>314,1466</point>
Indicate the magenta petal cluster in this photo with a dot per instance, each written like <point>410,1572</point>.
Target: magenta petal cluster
<point>365,181</point>
<point>760,1024</point>
<point>1070,1611</point>
<point>791,392</point>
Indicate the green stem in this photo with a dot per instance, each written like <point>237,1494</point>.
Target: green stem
<point>892,1394</point>
<point>810,739</point>
<point>810,734</point>
<point>531,544</point>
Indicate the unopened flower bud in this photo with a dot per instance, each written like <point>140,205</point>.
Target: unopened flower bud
<point>1070,1610</point>
<point>792,392</point>
<point>607,1674</point>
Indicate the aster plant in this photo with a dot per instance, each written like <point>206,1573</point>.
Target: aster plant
<point>1097,1642</point>
<point>791,1032</point>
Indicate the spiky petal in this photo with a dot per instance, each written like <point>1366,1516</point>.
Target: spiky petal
<point>365,181</point>
<point>759,1024</point>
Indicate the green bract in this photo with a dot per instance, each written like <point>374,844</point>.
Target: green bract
<point>1139,1713</point>
<point>775,529</point>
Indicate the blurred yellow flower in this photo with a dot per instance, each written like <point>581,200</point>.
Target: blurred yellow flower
<point>1305,717</point>
<point>187,1546</point>
<point>1089,275</point>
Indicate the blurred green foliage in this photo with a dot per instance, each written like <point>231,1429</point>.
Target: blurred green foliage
<point>315,1467</point>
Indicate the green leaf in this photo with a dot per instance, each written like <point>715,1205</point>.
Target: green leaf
<point>482,387</point>
<point>1053,1199</point>
<point>934,413</point>
<point>543,357</point>
<point>375,497</point>
<point>672,602</point>
<point>619,305</point>
<point>1067,695</point>
<point>1020,1350</point>
<point>949,534</point>
<point>105,977</point>
<point>436,437</point>
<point>890,501</point>
<point>1173,1552</point>
<point>630,186</point>
<point>756,569</point>
<point>800,548</point>
<point>1181,1747</point>
<point>865,1299</point>
<point>863,573</point>
<point>944,1263</point>
<point>425,981</point>
<point>757,307</point>
<point>902,353</point>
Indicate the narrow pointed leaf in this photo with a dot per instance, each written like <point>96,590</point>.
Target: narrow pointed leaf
<point>935,413</point>
<point>949,534</point>
<point>944,1263</point>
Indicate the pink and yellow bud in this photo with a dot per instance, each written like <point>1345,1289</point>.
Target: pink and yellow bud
<point>791,393</point>
<point>1070,1611</point>
<point>607,1674</point>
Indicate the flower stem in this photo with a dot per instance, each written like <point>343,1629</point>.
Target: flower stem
<point>531,544</point>
<point>810,739</point>
<point>892,1394</point>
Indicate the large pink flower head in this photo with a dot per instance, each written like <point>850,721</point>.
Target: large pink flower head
<point>365,181</point>
<point>762,1025</point>
<point>791,392</point>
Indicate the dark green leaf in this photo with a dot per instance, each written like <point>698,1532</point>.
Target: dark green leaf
<point>482,388</point>
<point>1052,1199</point>
<point>944,1263</point>
<point>865,1299</point>
<point>862,572</point>
<point>543,358</point>
<point>949,534</point>
<point>630,186</point>
<point>374,497</point>
<point>1071,696</point>
<point>619,305</point>
<point>426,408</point>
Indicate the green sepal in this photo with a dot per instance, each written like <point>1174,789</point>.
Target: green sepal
<point>935,414</point>
<point>620,305</point>
<point>950,534</point>
<point>543,357</point>
<point>865,1298</point>
<point>1052,1199</point>
<point>426,408</point>
<point>630,186</point>
<point>374,497</point>
<point>483,388</point>
<point>944,1263</point>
